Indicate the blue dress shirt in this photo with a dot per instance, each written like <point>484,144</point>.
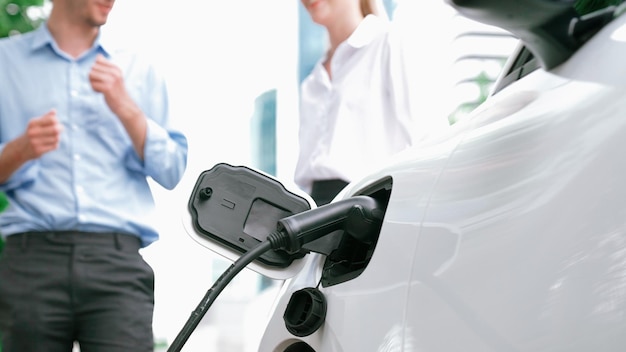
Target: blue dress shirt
<point>94,181</point>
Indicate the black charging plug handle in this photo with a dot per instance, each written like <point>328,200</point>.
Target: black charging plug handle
<point>296,230</point>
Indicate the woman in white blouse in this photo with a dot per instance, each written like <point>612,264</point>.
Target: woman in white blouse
<point>355,106</point>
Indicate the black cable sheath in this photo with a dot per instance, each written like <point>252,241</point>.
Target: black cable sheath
<point>216,289</point>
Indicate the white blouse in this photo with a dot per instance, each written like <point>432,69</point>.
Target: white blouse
<point>352,123</point>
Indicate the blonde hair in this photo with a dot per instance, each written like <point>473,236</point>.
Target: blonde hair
<point>373,7</point>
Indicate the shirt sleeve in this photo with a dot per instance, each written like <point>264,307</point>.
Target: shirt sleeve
<point>165,151</point>
<point>25,175</point>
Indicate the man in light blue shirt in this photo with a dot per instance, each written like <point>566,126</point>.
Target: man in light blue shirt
<point>83,125</point>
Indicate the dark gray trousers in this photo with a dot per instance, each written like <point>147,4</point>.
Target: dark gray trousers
<point>60,287</point>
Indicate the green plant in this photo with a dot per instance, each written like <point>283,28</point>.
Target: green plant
<point>586,6</point>
<point>20,16</point>
<point>484,83</point>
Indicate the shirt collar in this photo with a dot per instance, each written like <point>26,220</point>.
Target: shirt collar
<point>369,29</point>
<point>42,37</point>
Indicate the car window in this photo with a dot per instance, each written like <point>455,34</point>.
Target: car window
<point>524,63</point>
<point>591,19</point>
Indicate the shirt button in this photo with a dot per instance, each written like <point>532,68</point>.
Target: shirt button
<point>74,93</point>
<point>76,157</point>
<point>80,189</point>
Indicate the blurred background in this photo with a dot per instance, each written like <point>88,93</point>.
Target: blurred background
<point>233,69</point>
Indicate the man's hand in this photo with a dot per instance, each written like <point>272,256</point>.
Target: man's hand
<point>108,79</point>
<point>42,135</point>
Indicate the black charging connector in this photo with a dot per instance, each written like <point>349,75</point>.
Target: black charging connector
<point>361,213</point>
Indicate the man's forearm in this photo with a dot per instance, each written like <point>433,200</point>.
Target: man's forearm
<point>11,159</point>
<point>135,123</point>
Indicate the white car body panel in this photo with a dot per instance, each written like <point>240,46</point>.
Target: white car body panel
<point>509,234</point>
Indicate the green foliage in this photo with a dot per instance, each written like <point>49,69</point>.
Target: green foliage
<point>484,83</point>
<point>20,16</point>
<point>3,201</point>
<point>586,6</point>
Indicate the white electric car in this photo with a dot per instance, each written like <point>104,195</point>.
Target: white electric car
<point>508,234</point>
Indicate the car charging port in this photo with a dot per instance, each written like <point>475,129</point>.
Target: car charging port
<point>353,248</point>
